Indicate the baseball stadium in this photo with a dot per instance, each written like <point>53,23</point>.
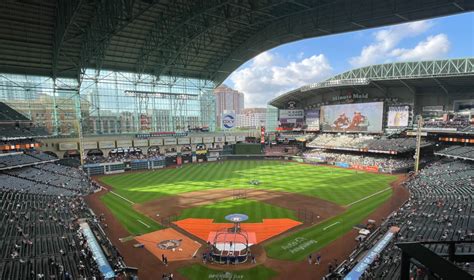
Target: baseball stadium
<point>113,164</point>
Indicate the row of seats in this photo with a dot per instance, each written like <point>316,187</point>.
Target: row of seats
<point>40,237</point>
<point>333,141</point>
<point>466,152</point>
<point>440,208</point>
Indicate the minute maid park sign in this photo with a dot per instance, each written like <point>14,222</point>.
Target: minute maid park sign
<point>228,120</point>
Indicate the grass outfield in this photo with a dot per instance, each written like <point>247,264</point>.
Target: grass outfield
<point>254,209</point>
<point>128,217</point>
<point>199,272</point>
<point>300,244</point>
<point>341,186</point>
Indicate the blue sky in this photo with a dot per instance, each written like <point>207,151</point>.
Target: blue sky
<point>311,60</point>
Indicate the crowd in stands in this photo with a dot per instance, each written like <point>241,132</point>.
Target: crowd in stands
<point>281,150</point>
<point>121,157</point>
<point>440,208</point>
<point>465,152</point>
<point>457,123</point>
<point>40,237</point>
<point>353,141</point>
<point>386,164</point>
<point>23,158</point>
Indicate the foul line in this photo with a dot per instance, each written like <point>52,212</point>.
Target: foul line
<point>367,197</point>
<point>129,201</point>
<point>331,225</point>
<point>141,222</point>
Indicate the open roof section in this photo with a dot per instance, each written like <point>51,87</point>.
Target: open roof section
<point>205,39</point>
<point>444,74</point>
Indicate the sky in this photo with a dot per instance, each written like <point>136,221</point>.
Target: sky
<point>295,64</point>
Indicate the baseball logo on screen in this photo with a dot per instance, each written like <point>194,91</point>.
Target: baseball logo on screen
<point>228,121</point>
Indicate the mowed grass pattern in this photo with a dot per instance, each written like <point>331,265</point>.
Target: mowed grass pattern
<point>128,217</point>
<point>254,209</point>
<point>341,186</point>
<point>300,244</point>
<point>199,272</point>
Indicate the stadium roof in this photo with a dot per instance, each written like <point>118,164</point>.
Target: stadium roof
<point>444,74</point>
<point>205,39</point>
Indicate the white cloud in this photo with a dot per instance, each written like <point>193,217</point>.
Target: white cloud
<point>431,48</point>
<point>386,40</point>
<point>265,78</point>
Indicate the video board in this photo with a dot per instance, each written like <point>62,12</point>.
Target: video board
<point>292,119</point>
<point>312,120</point>
<point>398,116</point>
<point>356,117</point>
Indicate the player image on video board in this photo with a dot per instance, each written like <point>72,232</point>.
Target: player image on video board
<point>359,117</point>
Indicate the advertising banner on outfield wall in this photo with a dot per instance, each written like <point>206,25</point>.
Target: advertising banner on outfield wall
<point>398,116</point>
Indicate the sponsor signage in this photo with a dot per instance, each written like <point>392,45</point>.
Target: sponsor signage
<point>89,145</point>
<point>124,143</point>
<point>99,256</point>
<point>369,258</point>
<point>107,144</point>
<point>140,143</point>
<point>230,138</point>
<point>228,120</point>
<point>161,134</point>
<point>184,141</point>
<point>350,96</point>
<point>207,140</point>
<point>219,139</point>
<point>169,141</point>
<point>240,138</point>
<point>398,116</point>
<point>65,146</point>
<point>156,142</point>
<point>433,108</point>
<point>196,140</point>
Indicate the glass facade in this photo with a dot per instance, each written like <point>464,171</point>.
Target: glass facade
<point>272,119</point>
<point>111,102</point>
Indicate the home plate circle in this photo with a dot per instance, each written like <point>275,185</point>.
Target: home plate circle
<point>169,244</point>
<point>236,218</point>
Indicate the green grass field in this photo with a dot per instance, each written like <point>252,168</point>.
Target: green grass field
<point>341,186</point>
<point>199,272</point>
<point>255,209</point>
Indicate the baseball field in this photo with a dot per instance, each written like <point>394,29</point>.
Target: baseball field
<point>326,201</point>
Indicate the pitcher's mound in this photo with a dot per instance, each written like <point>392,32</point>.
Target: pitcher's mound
<point>174,245</point>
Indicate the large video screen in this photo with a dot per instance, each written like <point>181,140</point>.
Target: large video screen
<point>398,116</point>
<point>357,117</point>
<point>312,120</point>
